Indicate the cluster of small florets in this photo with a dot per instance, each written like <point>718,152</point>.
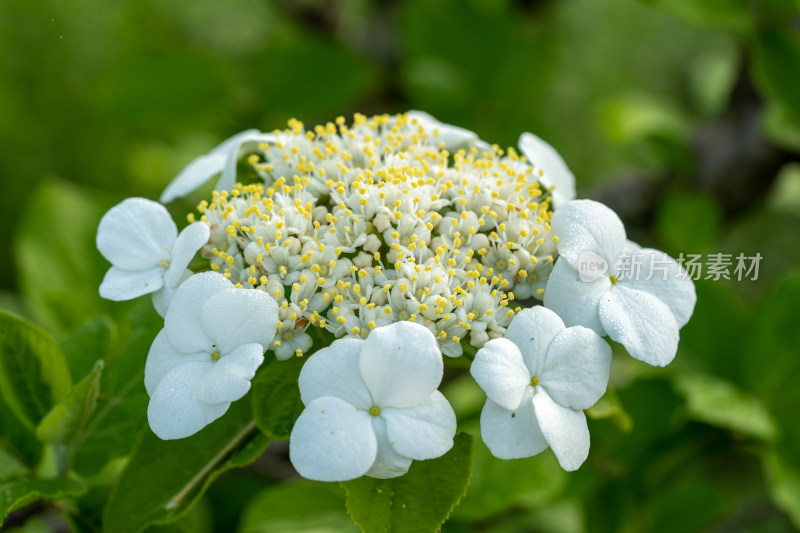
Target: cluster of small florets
<point>358,227</point>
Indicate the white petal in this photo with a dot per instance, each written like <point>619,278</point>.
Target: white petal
<point>452,136</point>
<point>119,285</point>
<point>588,226</point>
<point>191,239</point>
<point>162,358</point>
<point>182,322</point>
<point>401,364</point>
<point>545,158</point>
<point>136,234</point>
<point>334,371</point>
<point>512,434</point>
<point>668,282</point>
<point>332,441</point>
<point>229,378</point>
<point>235,140</point>
<point>174,411</point>
<point>642,323</point>
<point>532,330</point>
<point>499,370</point>
<point>424,431</point>
<point>163,296</point>
<point>240,316</point>
<point>194,175</point>
<point>576,371</point>
<point>577,302</point>
<point>564,429</point>
<point>388,463</point>
<point>232,147</point>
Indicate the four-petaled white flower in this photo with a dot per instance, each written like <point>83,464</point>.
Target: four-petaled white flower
<point>213,341</point>
<point>538,379</point>
<point>222,159</point>
<point>372,406</point>
<point>644,310</point>
<point>554,171</point>
<point>140,240</point>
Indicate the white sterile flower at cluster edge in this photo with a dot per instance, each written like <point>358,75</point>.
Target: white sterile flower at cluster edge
<point>453,137</point>
<point>642,312</point>
<point>372,406</point>
<point>538,379</point>
<point>550,167</point>
<point>222,159</point>
<point>140,240</point>
<point>213,341</point>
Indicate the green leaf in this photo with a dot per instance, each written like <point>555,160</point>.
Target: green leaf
<point>637,116</point>
<point>498,485</point>
<point>164,479</point>
<point>122,408</point>
<point>276,397</point>
<point>21,492</point>
<point>56,257</point>
<point>88,343</point>
<point>10,465</point>
<point>162,90</point>
<point>784,481</point>
<point>297,507</point>
<point>17,439</point>
<point>777,59</point>
<point>719,403</point>
<point>775,374</point>
<point>322,59</point>
<point>734,15</point>
<point>688,222</point>
<point>33,373</point>
<point>610,407</point>
<point>112,432</point>
<point>69,416</point>
<point>419,501</point>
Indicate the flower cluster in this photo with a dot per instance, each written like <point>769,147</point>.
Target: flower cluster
<point>404,239</point>
<point>359,227</point>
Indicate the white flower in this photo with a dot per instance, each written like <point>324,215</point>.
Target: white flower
<point>223,159</point>
<point>554,171</point>
<point>213,341</point>
<point>538,379</point>
<point>372,406</point>
<point>140,240</point>
<point>642,314</point>
<point>453,137</point>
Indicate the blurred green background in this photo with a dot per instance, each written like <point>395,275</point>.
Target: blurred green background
<point>682,115</point>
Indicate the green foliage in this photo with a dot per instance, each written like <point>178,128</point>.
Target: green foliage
<point>33,373</point>
<point>94,109</point>
<point>153,90</point>
<point>777,59</point>
<point>69,416</point>
<point>733,15</point>
<point>276,398</point>
<point>419,501</point>
<point>719,403</point>
<point>500,485</point>
<point>164,479</point>
<point>784,478</point>
<point>90,341</point>
<point>297,507</point>
<point>688,222</point>
<point>22,491</point>
<point>610,407</point>
<point>306,91</point>
<point>59,275</point>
